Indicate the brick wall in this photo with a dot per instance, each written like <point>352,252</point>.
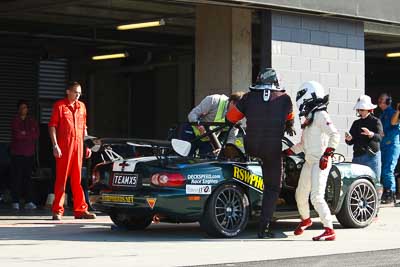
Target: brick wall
<point>330,51</point>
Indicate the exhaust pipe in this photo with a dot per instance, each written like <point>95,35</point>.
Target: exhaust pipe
<point>156,219</point>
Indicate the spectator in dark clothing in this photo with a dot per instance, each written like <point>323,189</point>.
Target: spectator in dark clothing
<point>365,136</point>
<point>25,132</point>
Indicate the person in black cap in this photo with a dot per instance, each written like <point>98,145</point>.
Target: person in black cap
<point>269,113</point>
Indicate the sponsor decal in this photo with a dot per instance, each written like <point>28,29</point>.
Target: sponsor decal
<point>203,179</point>
<point>123,179</point>
<point>117,198</point>
<point>151,202</point>
<point>248,178</point>
<point>198,189</point>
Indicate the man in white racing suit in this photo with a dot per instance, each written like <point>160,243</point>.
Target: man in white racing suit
<point>318,141</point>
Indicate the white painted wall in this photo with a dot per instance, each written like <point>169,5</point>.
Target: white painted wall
<point>330,51</point>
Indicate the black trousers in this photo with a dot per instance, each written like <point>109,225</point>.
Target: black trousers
<point>20,175</point>
<point>270,153</point>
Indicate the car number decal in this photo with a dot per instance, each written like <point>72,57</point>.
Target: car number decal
<point>198,189</point>
<point>117,198</point>
<point>123,179</point>
<point>248,178</point>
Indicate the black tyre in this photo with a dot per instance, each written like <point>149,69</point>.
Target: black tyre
<point>130,222</point>
<point>360,205</point>
<point>227,212</point>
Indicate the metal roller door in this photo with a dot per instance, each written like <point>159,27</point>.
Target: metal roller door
<point>18,80</point>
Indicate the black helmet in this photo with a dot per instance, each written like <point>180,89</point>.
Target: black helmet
<point>267,79</point>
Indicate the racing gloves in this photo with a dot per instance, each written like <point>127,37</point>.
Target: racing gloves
<point>323,162</point>
<point>88,153</point>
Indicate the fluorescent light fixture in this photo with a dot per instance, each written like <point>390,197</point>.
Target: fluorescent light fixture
<point>110,56</point>
<point>397,54</point>
<point>141,25</point>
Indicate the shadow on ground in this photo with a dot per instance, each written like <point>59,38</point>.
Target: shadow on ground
<point>37,225</point>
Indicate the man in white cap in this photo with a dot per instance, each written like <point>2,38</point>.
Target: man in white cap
<point>365,136</point>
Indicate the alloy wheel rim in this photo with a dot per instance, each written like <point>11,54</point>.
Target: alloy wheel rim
<point>229,209</point>
<point>363,203</point>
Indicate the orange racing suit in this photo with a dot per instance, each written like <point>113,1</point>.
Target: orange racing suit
<point>70,123</point>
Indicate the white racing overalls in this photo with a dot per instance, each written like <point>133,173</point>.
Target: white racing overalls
<point>312,183</point>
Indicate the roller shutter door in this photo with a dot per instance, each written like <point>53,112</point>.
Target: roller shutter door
<point>18,80</point>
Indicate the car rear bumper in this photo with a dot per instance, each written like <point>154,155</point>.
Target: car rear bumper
<point>173,204</point>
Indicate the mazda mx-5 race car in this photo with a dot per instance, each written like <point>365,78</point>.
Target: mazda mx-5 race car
<point>221,192</point>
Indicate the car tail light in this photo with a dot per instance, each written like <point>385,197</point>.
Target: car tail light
<point>168,179</point>
<point>95,176</point>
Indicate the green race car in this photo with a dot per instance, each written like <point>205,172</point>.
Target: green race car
<point>221,192</point>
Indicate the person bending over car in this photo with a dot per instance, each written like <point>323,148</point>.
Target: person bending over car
<point>319,140</point>
<point>211,109</point>
<point>269,112</point>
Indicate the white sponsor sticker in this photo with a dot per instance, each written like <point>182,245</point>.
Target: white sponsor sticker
<point>198,189</point>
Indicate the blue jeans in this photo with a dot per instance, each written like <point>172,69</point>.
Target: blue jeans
<point>390,155</point>
<point>374,162</point>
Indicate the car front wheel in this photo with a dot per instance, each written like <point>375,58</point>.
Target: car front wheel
<point>227,212</point>
<point>130,222</point>
<point>360,205</point>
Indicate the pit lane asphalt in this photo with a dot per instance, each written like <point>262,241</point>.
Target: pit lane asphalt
<point>32,239</point>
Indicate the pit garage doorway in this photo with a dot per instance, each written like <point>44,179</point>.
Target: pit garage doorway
<point>45,43</point>
<point>51,42</point>
<point>382,72</point>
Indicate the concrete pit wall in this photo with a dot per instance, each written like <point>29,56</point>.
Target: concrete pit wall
<point>330,51</point>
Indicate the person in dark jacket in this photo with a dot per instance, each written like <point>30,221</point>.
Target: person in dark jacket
<point>365,136</point>
<point>269,112</point>
<point>24,133</point>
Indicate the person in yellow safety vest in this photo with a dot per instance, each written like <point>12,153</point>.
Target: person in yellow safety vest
<point>211,109</point>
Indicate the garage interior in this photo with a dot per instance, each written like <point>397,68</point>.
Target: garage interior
<point>382,72</point>
<point>46,43</point>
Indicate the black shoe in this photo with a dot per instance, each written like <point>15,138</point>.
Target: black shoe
<point>264,231</point>
<point>388,197</point>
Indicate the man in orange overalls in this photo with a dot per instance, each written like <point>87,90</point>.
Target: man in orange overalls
<point>67,128</point>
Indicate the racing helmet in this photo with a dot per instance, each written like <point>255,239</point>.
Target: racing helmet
<point>310,96</point>
<point>267,79</point>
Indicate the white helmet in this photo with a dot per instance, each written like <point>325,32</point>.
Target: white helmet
<point>310,96</point>
<point>364,102</point>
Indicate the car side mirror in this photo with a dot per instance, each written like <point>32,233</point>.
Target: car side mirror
<point>181,147</point>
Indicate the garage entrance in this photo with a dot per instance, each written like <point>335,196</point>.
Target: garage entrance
<point>381,71</point>
<point>45,43</point>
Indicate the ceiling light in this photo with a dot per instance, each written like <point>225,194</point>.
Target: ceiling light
<point>397,54</point>
<point>141,25</point>
<point>110,56</point>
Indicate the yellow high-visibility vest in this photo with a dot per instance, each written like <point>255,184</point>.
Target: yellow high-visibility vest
<point>219,117</point>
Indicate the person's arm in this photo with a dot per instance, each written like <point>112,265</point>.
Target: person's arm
<point>201,109</point>
<point>299,147</point>
<point>326,125</point>
<point>53,137</point>
<point>88,151</point>
<point>35,130</point>
<point>395,118</point>
<point>53,124</point>
<point>350,139</point>
<point>379,134</point>
<point>289,124</point>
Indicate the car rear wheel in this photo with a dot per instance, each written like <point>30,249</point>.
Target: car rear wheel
<point>130,222</point>
<point>360,205</point>
<point>227,212</point>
